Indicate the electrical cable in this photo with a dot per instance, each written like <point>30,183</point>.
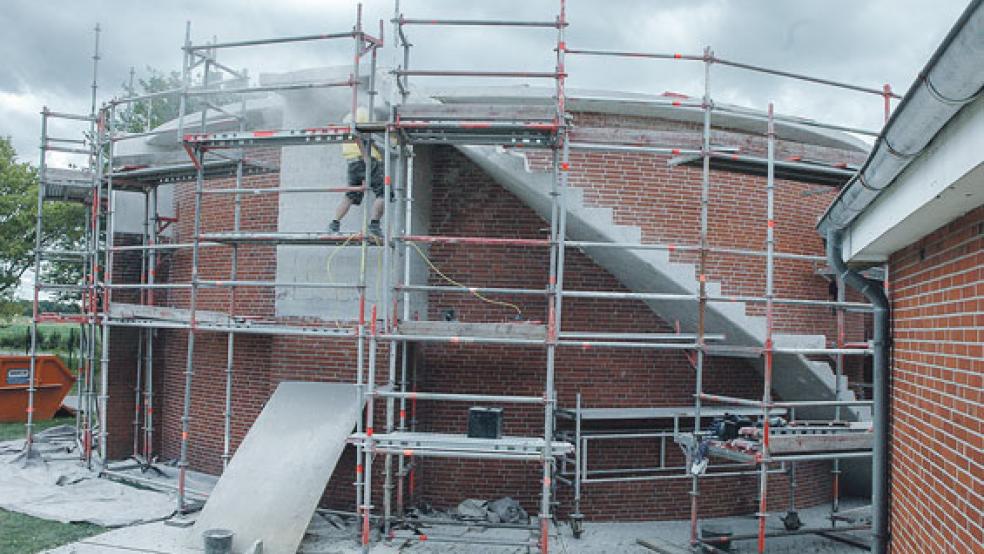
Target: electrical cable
<point>476,294</point>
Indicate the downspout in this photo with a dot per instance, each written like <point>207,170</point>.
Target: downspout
<point>874,293</point>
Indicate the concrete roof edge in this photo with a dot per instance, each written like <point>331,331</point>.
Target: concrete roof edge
<point>649,105</point>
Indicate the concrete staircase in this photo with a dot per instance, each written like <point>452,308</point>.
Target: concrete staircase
<point>795,376</point>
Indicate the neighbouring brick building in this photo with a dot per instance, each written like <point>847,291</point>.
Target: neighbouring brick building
<point>460,197</point>
<point>921,215</point>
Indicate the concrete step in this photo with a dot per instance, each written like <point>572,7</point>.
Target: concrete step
<point>796,377</point>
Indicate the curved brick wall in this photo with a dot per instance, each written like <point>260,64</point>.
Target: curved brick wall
<point>643,191</point>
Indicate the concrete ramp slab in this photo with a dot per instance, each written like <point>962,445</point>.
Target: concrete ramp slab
<point>274,481</point>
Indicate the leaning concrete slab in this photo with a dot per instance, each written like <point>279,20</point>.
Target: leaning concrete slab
<point>274,481</point>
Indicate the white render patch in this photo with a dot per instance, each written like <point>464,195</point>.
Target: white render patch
<point>305,212</point>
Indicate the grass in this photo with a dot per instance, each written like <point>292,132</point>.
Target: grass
<point>21,534</point>
<point>11,431</point>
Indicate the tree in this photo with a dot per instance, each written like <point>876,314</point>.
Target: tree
<point>64,223</point>
<point>63,227</point>
<point>139,116</point>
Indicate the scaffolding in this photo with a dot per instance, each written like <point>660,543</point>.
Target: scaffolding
<point>74,186</point>
<point>223,154</point>
<point>766,445</point>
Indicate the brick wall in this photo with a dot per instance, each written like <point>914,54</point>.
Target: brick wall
<point>937,434</point>
<point>467,202</point>
<point>605,378</point>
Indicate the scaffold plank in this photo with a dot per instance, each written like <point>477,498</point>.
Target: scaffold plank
<point>276,137</point>
<point>464,329</point>
<point>602,414</point>
<point>448,445</point>
<point>120,310</point>
<point>142,178</point>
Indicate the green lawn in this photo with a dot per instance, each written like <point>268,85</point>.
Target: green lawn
<point>21,534</point>
<point>10,431</point>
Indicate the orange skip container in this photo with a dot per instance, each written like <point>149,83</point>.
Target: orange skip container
<point>53,382</point>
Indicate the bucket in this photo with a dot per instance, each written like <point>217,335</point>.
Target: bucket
<point>218,541</point>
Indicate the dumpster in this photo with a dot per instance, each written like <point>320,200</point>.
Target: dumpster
<point>53,381</point>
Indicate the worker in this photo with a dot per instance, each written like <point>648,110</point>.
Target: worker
<point>354,154</point>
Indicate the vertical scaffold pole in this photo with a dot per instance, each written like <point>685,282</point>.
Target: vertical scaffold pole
<point>362,493</point>
<point>233,275</point>
<point>141,343</point>
<point>555,281</point>
<point>108,115</point>
<point>143,293</point>
<point>406,169</point>
<point>185,83</point>
<point>405,190</point>
<point>839,379</point>
<point>370,448</point>
<point>190,357</point>
<point>95,167</point>
<point>149,347</point>
<point>705,188</point>
<point>35,312</point>
<point>887,95</point>
<point>389,321</point>
<point>768,350</point>
<point>96,223</point>
<point>192,303</point>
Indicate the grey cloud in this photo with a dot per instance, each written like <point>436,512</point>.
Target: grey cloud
<point>46,45</point>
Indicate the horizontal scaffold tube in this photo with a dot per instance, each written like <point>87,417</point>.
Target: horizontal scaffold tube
<point>281,190</point>
<point>163,246</point>
<point>626,54</point>
<point>124,286</point>
<point>463,540</point>
<point>461,397</point>
<point>475,240</point>
<point>780,404</point>
<point>800,121</point>
<point>463,73</point>
<point>471,290</point>
<point>676,296</point>
<point>66,150</point>
<point>634,148</point>
<point>62,115</point>
<point>271,88</point>
<point>278,40</point>
<point>810,403</point>
<point>636,336</point>
<point>690,248</point>
<point>730,63</point>
<point>479,22</point>
<point>819,456</point>
<point>240,283</point>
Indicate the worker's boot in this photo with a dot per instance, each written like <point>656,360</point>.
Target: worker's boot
<point>375,230</point>
<point>335,227</point>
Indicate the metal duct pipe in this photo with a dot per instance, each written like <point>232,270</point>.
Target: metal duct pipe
<point>873,291</point>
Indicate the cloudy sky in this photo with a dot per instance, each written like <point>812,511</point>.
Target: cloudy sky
<point>46,45</point>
